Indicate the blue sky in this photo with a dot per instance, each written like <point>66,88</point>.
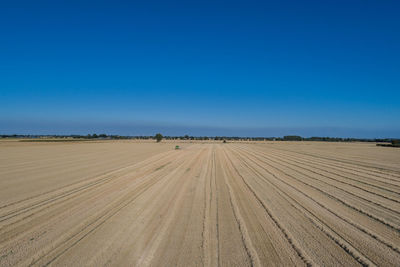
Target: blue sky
<point>256,68</point>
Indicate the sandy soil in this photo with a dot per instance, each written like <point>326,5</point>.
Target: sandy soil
<point>124,203</point>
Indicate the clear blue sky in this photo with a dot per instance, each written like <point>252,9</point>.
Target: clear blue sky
<point>258,68</point>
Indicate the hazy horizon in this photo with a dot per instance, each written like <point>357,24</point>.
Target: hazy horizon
<point>150,129</point>
<point>310,68</point>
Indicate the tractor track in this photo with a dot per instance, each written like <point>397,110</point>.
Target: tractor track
<point>124,203</point>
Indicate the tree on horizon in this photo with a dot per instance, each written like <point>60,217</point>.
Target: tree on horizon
<point>158,137</point>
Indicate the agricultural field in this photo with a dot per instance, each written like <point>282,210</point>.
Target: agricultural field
<point>127,203</point>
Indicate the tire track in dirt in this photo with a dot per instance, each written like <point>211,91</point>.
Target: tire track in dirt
<point>379,219</point>
<point>104,157</point>
<point>376,180</point>
<point>208,204</point>
<point>210,226</point>
<point>346,162</point>
<point>323,227</point>
<point>251,252</point>
<point>303,256</point>
<point>98,181</point>
<point>379,183</point>
<point>384,242</point>
<point>228,227</point>
<point>78,199</point>
<point>99,220</point>
<point>311,169</point>
<point>290,165</point>
<point>86,181</point>
<point>148,216</point>
<point>152,179</point>
<point>166,230</point>
<point>353,252</point>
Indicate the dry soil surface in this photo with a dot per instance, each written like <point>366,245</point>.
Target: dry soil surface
<point>123,203</point>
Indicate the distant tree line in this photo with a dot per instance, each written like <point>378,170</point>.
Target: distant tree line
<point>293,138</point>
<point>94,136</point>
<point>393,143</point>
<point>332,139</point>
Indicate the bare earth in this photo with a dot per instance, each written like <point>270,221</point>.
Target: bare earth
<point>125,203</point>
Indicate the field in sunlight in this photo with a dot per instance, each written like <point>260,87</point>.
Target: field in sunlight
<point>130,203</point>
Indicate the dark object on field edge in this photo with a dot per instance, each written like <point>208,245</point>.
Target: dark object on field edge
<point>395,143</point>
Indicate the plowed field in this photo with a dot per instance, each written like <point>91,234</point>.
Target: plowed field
<point>124,203</point>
